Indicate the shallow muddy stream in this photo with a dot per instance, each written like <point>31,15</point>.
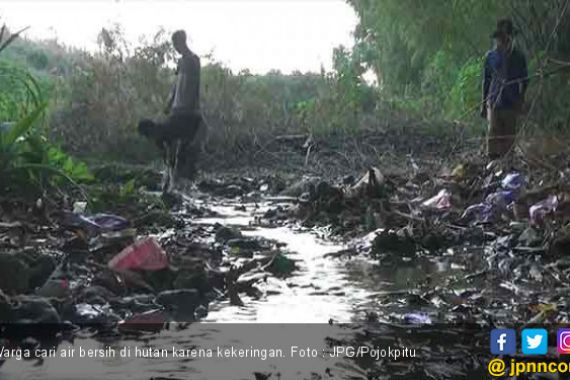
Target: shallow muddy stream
<point>323,289</point>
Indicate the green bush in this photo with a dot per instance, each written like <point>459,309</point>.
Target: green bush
<point>28,161</point>
<point>428,54</point>
<point>465,93</point>
<point>99,101</point>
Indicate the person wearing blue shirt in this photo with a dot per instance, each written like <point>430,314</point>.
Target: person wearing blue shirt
<point>505,80</point>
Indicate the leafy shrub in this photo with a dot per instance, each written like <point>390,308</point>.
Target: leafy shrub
<point>28,161</point>
<point>465,94</point>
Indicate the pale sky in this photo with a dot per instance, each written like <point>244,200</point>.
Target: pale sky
<point>255,34</point>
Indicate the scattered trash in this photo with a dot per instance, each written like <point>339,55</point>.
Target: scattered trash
<point>97,223</point>
<point>539,210</point>
<point>494,204</point>
<point>417,319</point>
<point>87,314</point>
<point>145,254</point>
<point>131,287</point>
<point>513,181</point>
<point>79,207</point>
<point>108,222</point>
<point>480,212</point>
<point>501,198</point>
<point>441,201</point>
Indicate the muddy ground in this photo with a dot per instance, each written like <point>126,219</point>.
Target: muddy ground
<point>394,249</point>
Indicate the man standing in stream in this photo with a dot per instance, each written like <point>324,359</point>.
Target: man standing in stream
<point>505,80</point>
<point>178,134</point>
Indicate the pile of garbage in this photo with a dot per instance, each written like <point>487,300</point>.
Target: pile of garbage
<point>422,204</point>
<point>242,186</point>
<point>102,271</point>
<point>516,222</point>
<point>102,274</point>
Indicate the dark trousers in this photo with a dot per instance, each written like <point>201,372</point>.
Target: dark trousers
<point>174,137</point>
<point>502,132</point>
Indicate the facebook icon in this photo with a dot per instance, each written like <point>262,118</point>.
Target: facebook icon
<point>503,342</point>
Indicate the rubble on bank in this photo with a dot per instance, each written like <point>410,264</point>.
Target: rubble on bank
<point>517,223</point>
<point>506,230</point>
<point>128,261</point>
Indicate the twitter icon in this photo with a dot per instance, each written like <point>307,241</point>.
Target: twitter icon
<point>534,341</point>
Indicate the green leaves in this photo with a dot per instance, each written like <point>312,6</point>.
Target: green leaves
<point>22,127</point>
<point>5,39</point>
<point>76,170</point>
<point>28,161</point>
<point>13,141</point>
<point>19,92</point>
<point>410,36</point>
<point>27,157</point>
<point>429,52</point>
<point>128,189</point>
<point>465,91</point>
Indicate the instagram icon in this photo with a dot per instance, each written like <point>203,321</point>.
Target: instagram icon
<point>563,341</point>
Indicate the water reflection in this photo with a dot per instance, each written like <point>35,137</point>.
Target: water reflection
<point>323,289</point>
